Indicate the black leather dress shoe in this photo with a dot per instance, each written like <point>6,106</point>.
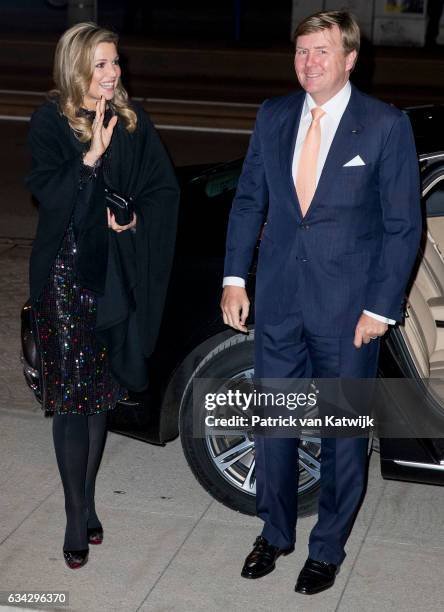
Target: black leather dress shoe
<point>262,559</point>
<point>315,576</point>
<point>75,559</point>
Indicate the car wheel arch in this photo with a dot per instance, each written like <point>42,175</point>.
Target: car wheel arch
<point>182,376</point>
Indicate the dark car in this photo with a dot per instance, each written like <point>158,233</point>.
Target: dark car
<point>194,342</point>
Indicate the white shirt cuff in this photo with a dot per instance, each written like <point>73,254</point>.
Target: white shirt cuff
<point>379,318</point>
<point>235,281</point>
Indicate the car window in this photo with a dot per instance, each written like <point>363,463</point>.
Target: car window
<point>434,199</point>
<point>221,183</point>
<point>205,206</point>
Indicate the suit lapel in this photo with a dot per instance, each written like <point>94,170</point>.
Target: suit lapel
<point>349,130</point>
<point>287,140</point>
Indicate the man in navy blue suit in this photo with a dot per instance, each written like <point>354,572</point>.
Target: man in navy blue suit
<point>334,174</point>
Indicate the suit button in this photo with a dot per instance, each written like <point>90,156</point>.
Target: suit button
<point>305,226</point>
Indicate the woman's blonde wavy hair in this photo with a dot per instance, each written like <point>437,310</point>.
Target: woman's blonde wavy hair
<point>73,71</point>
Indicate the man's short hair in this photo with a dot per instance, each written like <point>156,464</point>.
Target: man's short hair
<point>347,24</point>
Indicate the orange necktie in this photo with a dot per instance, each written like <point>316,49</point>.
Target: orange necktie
<point>308,161</point>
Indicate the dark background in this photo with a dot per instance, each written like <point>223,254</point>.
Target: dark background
<point>261,21</point>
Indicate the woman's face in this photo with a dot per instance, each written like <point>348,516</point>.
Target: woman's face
<point>105,76</point>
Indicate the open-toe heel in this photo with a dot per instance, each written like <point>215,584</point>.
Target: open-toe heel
<point>75,559</point>
<point>95,535</point>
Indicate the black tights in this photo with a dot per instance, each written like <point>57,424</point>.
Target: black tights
<point>79,441</point>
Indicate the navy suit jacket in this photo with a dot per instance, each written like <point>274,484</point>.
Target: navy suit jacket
<point>356,246</point>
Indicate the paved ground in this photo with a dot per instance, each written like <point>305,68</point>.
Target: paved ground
<point>168,546</point>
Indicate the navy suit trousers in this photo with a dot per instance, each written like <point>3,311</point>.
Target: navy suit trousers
<point>287,350</point>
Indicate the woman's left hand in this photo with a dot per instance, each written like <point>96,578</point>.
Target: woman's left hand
<point>115,226</point>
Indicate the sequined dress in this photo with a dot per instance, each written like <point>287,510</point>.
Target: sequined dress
<point>75,373</point>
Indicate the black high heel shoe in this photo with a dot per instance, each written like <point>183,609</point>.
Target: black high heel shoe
<point>76,559</point>
<point>95,535</point>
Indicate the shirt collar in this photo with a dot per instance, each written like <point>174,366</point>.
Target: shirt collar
<point>334,107</point>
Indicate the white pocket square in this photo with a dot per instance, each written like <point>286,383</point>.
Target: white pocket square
<point>356,161</point>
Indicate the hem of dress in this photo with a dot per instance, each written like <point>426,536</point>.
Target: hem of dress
<point>84,412</point>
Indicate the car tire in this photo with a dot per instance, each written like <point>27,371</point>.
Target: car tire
<point>231,360</point>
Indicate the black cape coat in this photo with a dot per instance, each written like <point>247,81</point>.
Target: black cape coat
<point>129,273</point>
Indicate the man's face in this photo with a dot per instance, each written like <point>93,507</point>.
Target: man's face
<point>321,65</point>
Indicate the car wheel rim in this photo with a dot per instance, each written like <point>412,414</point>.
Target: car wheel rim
<point>232,451</point>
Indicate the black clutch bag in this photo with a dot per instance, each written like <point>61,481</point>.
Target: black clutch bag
<point>121,206</point>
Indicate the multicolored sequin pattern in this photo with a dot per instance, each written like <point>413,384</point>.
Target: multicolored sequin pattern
<point>76,376</point>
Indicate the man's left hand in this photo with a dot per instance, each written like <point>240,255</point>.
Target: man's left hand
<point>368,329</point>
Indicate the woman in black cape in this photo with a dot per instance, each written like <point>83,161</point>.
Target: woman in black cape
<point>97,287</point>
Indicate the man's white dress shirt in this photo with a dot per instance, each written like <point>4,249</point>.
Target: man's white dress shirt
<point>334,109</point>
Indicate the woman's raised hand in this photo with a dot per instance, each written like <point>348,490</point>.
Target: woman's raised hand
<point>101,136</point>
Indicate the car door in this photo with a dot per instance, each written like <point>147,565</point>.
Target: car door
<point>433,196</point>
<point>412,349</point>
